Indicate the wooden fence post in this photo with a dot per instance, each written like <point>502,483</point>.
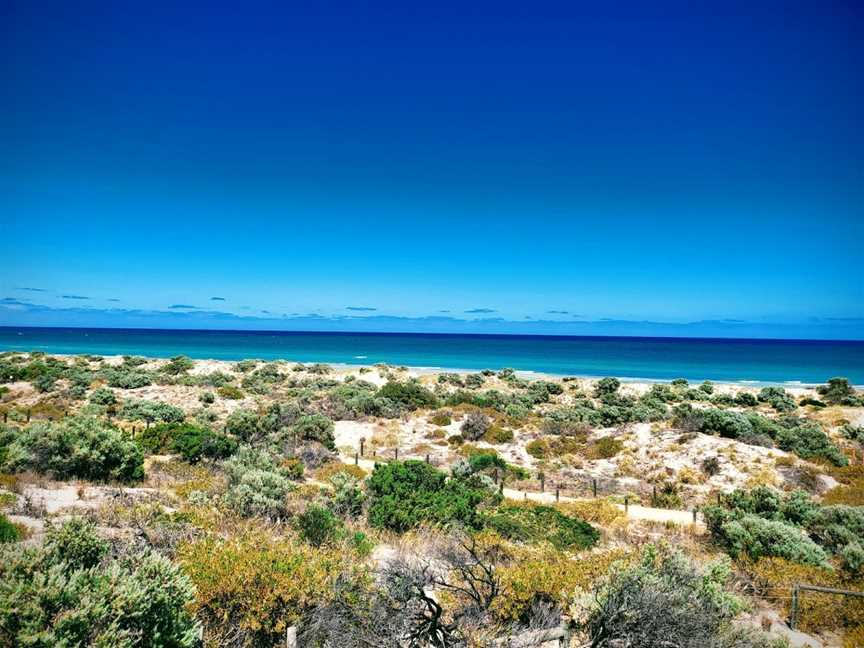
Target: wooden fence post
<point>356,459</point>
<point>557,494</point>
<point>362,441</point>
<point>594,487</point>
<point>626,503</point>
<point>793,615</point>
<point>396,453</point>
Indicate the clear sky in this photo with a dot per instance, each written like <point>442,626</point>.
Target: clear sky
<point>540,167</point>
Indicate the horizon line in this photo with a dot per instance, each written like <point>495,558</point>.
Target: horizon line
<point>438,334</point>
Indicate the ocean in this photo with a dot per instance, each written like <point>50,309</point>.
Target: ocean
<point>726,360</point>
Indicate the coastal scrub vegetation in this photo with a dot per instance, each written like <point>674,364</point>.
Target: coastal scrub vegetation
<point>274,496</point>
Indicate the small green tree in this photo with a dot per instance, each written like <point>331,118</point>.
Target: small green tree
<point>318,526</point>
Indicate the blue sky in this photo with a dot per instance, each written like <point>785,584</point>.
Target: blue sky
<point>507,167</point>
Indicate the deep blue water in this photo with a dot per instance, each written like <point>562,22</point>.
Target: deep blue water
<point>626,357</point>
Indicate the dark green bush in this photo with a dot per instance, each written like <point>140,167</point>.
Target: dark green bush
<point>318,526</point>
<point>777,398</point>
<point>808,441</point>
<point>746,399</point>
<point>534,523</point>
<point>177,365</point>
<point>405,494</point>
<point>606,387</point>
<point>8,531</point>
<point>193,443</point>
<point>410,395</point>
<point>838,391</point>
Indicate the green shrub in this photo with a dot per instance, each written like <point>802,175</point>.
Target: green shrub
<point>757,537</point>
<point>746,399</point>
<point>606,447</point>
<point>405,494</point>
<point>123,378</point>
<point>77,446</point>
<point>498,434</point>
<point>262,380</point>
<point>666,599</point>
<point>244,424</point>
<point>316,427</point>
<point>777,398</point>
<point>808,441</point>
<point>75,544</point>
<point>63,594</point>
<point>256,485</point>
<point>606,387</point>
<point>532,523</point>
<point>207,398</point>
<point>410,395</point>
<point>230,392</point>
<point>318,526</point>
<point>245,366</point>
<point>853,432</point>
<point>177,365</point>
<point>156,439</point>
<point>151,411</point>
<point>440,419</point>
<point>193,443</point>
<point>538,448</point>
<point>838,391</point>
<point>8,531</point>
<point>347,497</point>
<point>103,396</point>
<point>667,496</point>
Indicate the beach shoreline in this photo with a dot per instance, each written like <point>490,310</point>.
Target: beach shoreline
<point>342,368</point>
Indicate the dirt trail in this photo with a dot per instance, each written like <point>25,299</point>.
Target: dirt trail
<point>634,512</point>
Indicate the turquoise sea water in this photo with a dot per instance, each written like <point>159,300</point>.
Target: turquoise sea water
<point>774,361</point>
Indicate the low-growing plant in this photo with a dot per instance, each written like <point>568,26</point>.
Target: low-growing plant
<point>531,523</point>
<point>440,418</point>
<point>497,434</point>
<point>65,593</point>
<point>251,587</point>
<point>8,531</point>
<point>604,448</point>
<point>230,392</point>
